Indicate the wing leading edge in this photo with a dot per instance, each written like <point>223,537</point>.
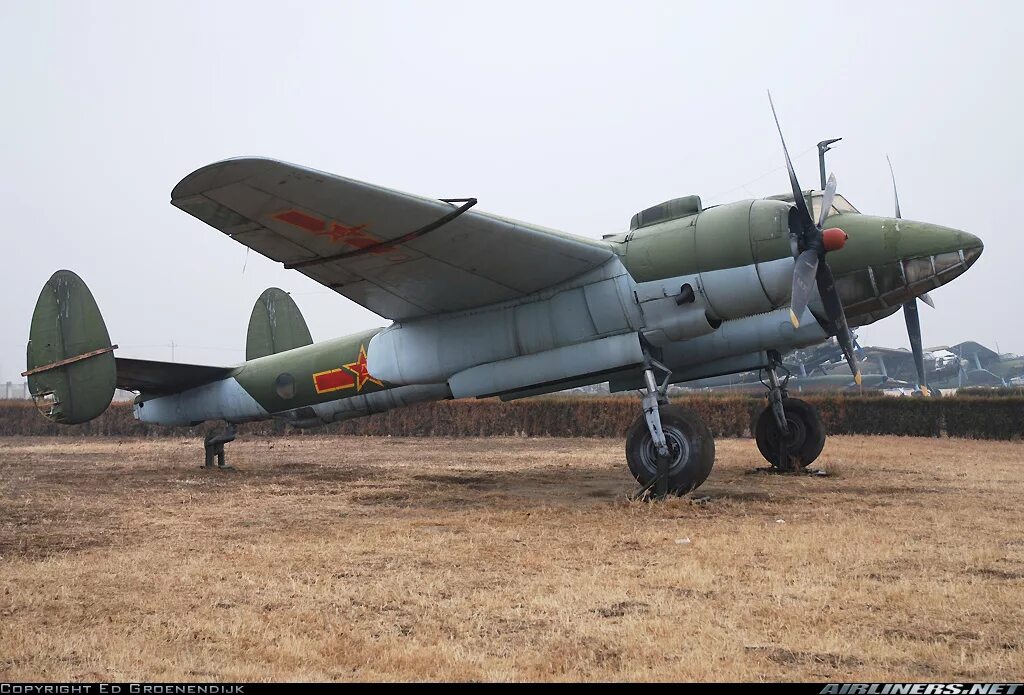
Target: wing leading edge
<point>357,238</point>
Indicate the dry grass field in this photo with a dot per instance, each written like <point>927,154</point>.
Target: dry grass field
<point>492,559</point>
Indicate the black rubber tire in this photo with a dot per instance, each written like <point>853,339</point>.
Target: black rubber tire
<point>807,433</point>
<point>689,440</point>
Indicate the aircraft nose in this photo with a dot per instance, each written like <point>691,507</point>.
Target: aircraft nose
<point>972,252</point>
<point>933,255</point>
<point>940,238</point>
<point>888,260</point>
<point>910,239</point>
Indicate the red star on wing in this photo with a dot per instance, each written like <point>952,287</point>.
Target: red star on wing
<point>359,369</point>
<point>351,235</point>
<point>355,236</point>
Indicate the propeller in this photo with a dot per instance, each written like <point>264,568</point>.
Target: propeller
<point>910,312</point>
<point>811,244</point>
<point>858,349</point>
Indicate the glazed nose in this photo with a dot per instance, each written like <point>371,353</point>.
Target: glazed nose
<point>887,261</point>
<point>937,255</point>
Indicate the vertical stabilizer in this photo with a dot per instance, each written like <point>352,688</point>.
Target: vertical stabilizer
<point>276,325</point>
<point>71,370</point>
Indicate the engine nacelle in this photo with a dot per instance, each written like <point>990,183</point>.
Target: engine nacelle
<point>737,257</point>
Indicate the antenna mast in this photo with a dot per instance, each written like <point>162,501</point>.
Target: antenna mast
<point>823,147</point>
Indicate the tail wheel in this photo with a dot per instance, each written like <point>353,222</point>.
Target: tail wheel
<point>804,441</point>
<point>691,450</point>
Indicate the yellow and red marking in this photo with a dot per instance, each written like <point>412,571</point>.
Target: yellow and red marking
<point>351,375</point>
<point>362,373</point>
<point>355,236</point>
<point>333,380</point>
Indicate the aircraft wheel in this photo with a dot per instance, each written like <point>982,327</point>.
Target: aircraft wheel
<point>806,436</point>
<point>691,447</point>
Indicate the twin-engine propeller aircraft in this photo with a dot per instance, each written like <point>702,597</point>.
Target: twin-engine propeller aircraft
<point>486,306</point>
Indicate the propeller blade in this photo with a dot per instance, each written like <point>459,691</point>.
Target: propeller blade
<point>910,312</point>
<point>798,196</point>
<point>826,199</point>
<point>860,351</point>
<point>804,272</point>
<point>914,331</point>
<point>895,195</point>
<point>834,311</point>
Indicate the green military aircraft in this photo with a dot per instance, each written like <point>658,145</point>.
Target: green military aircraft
<point>486,306</point>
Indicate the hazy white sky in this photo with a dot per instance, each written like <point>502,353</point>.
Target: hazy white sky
<point>571,115</point>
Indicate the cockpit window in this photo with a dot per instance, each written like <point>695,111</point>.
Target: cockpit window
<point>840,205</point>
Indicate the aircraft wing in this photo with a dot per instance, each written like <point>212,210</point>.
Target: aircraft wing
<point>397,254</point>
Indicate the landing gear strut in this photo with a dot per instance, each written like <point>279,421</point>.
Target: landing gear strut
<point>669,449</point>
<point>214,446</point>
<point>789,432</point>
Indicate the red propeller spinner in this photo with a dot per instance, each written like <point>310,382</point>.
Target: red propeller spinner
<point>834,238</point>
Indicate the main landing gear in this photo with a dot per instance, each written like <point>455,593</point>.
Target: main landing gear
<point>669,449</point>
<point>214,446</point>
<point>789,432</point>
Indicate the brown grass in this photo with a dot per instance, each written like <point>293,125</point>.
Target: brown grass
<point>356,558</point>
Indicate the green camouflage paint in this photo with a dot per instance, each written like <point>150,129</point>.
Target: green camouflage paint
<point>312,374</point>
<point>877,241</point>
<point>276,325</point>
<point>66,324</point>
<point>738,234</point>
<point>724,236</point>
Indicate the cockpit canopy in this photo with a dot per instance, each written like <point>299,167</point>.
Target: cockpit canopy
<point>674,209</point>
<point>840,205</point>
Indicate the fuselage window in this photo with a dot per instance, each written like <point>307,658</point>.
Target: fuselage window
<point>285,385</point>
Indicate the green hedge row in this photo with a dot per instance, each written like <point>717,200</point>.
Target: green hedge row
<point>727,416</point>
<point>1003,391</point>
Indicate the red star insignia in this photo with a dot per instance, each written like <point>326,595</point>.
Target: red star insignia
<point>355,236</point>
<point>351,235</point>
<point>359,369</point>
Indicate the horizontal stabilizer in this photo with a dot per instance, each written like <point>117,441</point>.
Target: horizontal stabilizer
<point>159,378</point>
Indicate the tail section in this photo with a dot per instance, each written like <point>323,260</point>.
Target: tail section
<point>276,325</point>
<point>71,369</point>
